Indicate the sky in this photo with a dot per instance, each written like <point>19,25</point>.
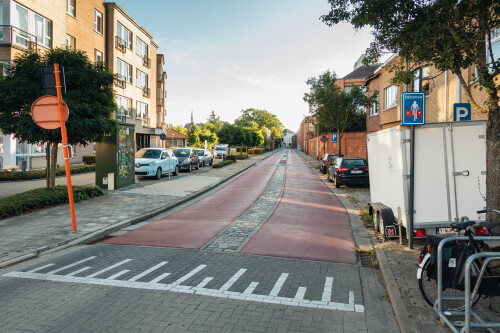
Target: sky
<point>231,55</point>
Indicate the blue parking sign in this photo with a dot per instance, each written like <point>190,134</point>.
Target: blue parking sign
<point>461,112</point>
<point>413,110</point>
<point>334,137</point>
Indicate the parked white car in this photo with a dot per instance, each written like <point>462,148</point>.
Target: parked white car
<point>155,162</point>
<point>220,151</point>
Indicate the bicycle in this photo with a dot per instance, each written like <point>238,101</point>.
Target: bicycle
<point>454,256</point>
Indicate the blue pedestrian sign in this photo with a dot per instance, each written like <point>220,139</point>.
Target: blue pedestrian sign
<point>461,112</point>
<point>334,137</point>
<point>413,110</point>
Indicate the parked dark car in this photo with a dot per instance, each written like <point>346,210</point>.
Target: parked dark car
<point>205,157</point>
<point>187,158</point>
<point>326,161</point>
<point>348,170</point>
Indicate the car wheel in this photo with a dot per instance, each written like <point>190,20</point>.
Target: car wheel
<point>211,162</point>
<point>328,177</point>
<point>203,164</point>
<point>198,166</point>
<point>335,180</point>
<point>176,171</point>
<point>158,174</point>
<point>375,221</point>
<point>190,167</point>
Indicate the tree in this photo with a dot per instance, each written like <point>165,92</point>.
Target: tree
<point>89,98</point>
<point>194,136</point>
<point>255,118</point>
<point>231,135</point>
<point>336,110</point>
<point>447,34</point>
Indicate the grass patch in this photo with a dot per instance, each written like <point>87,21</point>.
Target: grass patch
<point>372,253</point>
<point>7,176</point>
<point>223,163</point>
<point>366,217</point>
<point>41,198</point>
<point>353,199</point>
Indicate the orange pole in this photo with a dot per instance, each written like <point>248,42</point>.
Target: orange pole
<point>65,146</point>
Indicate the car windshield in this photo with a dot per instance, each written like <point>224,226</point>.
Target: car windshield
<point>200,152</point>
<point>354,163</point>
<point>220,148</point>
<point>182,152</point>
<point>148,153</point>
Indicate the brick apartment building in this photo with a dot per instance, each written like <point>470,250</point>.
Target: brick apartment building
<point>91,26</point>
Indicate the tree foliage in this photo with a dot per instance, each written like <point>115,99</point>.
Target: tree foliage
<point>447,34</point>
<point>255,119</point>
<point>336,110</point>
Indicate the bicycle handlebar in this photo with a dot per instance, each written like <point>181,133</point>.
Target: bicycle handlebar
<point>488,210</point>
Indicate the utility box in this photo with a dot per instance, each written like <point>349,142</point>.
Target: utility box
<point>115,157</point>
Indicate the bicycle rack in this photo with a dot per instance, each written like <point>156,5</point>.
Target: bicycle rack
<point>467,312</point>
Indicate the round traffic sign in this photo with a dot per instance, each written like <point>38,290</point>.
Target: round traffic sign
<point>45,112</point>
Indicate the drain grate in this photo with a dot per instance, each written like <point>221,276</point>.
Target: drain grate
<point>365,260</point>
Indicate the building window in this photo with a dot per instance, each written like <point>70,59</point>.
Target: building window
<point>70,7</point>
<point>374,109</point>
<point>124,105</point>
<point>142,49</point>
<point>37,149</point>
<point>97,21</point>
<point>142,110</point>
<point>390,97</point>
<point>141,79</point>
<point>124,34</point>
<point>124,70</point>
<point>70,43</point>
<point>4,70</point>
<point>28,23</point>
<point>421,80</point>
<point>495,47</point>
<point>98,56</point>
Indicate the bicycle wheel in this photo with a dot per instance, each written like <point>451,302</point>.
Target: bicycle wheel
<point>429,290</point>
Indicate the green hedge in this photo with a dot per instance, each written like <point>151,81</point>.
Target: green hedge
<point>88,159</point>
<point>223,163</point>
<point>230,158</point>
<point>39,174</point>
<point>41,198</point>
<point>256,151</point>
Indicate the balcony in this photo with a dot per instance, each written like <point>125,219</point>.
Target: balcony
<point>145,92</point>
<point>120,44</point>
<point>159,101</point>
<point>146,62</point>
<point>10,35</point>
<point>121,81</point>
<point>145,122</point>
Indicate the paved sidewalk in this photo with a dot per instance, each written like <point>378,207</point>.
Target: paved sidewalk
<point>398,266</point>
<point>26,236</point>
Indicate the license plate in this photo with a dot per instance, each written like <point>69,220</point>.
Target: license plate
<point>444,230</point>
<point>356,171</point>
<point>138,170</point>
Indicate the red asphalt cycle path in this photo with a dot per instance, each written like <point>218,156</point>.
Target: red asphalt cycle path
<point>309,223</point>
<point>195,225</point>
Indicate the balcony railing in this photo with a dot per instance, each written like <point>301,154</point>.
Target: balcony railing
<point>145,122</point>
<point>145,92</point>
<point>120,44</point>
<point>159,101</point>
<point>11,35</point>
<point>146,62</point>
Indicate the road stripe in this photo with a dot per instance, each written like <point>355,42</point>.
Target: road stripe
<point>327,291</point>
<point>205,281</point>
<point>146,272</point>
<point>79,271</point>
<point>188,275</point>
<point>277,286</point>
<point>108,268</point>
<point>40,268</point>
<point>300,293</point>
<point>251,288</point>
<point>71,265</point>
<point>159,278</point>
<point>233,279</point>
<point>112,277</point>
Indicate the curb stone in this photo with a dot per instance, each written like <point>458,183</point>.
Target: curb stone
<point>99,234</point>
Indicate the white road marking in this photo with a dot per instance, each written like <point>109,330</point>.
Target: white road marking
<point>300,293</point>
<point>146,272</point>
<point>40,268</point>
<point>188,275</point>
<point>205,281</point>
<point>277,286</point>
<point>159,278</point>
<point>79,271</point>
<point>327,291</point>
<point>251,287</point>
<point>108,268</point>
<point>200,289</point>
<point>71,265</point>
<point>112,277</point>
<point>232,280</point>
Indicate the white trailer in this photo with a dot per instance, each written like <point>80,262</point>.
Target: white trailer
<point>449,177</point>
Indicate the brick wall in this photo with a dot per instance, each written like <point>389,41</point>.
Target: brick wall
<point>353,144</point>
<point>373,121</point>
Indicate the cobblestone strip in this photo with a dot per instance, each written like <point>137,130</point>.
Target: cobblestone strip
<point>234,237</point>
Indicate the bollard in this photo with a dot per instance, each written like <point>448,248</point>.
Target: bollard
<point>111,181</point>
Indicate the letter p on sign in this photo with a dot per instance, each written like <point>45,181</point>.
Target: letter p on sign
<point>461,112</point>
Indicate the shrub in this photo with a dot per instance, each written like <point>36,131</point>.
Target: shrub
<point>256,151</point>
<point>230,158</point>
<point>223,163</point>
<point>244,157</point>
<point>41,173</point>
<point>88,159</point>
<point>41,198</point>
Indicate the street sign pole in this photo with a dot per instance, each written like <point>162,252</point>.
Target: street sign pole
<point>412,186</point>
<point>65,145</point>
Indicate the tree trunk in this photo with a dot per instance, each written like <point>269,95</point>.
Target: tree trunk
<point>47,158</point>
<point>53,166</point>
<point>493,163</point>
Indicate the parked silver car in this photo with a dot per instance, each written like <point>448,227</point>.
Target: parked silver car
<point>205,157</point>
